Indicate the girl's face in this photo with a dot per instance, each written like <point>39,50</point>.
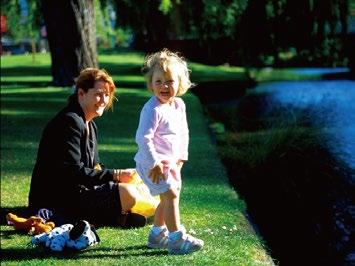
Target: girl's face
<point>165,85</point>
<point>94,101</point>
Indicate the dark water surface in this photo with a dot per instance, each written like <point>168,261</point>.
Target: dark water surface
<point>300,201</point>
<point>331,105</point>
<point>306,213</point>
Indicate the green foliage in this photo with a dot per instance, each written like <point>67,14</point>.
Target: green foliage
<point>22,23</point>
<point>257,32</point>
<point>165,6</point>
<point>206,19</point>
<point>219,19</point>
<point>316,22</point>
<point>107,34</point>
<point>330,51</point>
<point>103,29</point>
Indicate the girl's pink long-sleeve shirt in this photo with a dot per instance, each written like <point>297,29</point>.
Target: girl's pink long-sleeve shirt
<point>162,133</point>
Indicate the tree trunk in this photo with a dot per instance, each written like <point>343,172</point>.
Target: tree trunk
<point>33,49</point>
<point>71,36</point>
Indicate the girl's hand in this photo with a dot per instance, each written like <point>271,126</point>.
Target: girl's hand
<point>179,164</point>
<point>157,173</point>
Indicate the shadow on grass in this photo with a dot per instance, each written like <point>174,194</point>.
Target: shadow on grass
<point>126,68</point>
<point>26,71</point>
<point>217,91</point>
<point>44,84</point>
<point>8,234</point>
<point>25,254</point>
<point>35,83</point>
<point>129,84</point>
<point>45,70</point>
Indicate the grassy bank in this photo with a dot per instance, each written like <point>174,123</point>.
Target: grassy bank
<point>210,207</point>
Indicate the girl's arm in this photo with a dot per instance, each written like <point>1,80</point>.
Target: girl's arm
<point>184,136</point>
<point>148,124</point>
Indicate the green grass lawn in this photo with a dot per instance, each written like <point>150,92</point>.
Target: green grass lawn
<point>210,208</point>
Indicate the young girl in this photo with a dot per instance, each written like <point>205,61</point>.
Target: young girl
<point>162,138</point>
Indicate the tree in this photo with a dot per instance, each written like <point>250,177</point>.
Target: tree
<point>254,33</point>
<point>71,37</point>
<point>147,19</point>
<point>190,25</point>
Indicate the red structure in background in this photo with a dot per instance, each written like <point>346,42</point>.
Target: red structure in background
<point>3,29</point>
<point>3,24</point>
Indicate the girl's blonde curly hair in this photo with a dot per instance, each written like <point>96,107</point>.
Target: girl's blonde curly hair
<point>165,60</point>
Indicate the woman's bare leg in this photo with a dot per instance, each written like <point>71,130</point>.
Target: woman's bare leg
<point>128,196</point>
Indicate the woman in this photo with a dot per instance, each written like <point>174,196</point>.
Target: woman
<point>68,182</point>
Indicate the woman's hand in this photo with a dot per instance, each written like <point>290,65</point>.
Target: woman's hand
<point>124,175</point>
<point>157,173</point>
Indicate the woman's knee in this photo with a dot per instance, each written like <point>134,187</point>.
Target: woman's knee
<point>128,196</point>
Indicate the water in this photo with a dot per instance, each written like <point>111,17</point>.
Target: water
<point>331,104</point>
<point>319,210</point>
<point>320,71</point>
<point>299,200</point>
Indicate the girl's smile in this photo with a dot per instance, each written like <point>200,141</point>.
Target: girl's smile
<point>165,85</point>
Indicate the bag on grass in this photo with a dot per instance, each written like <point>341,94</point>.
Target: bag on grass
<point>146,204</point>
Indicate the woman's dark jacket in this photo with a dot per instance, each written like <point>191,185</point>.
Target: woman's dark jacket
<point>65,163</point>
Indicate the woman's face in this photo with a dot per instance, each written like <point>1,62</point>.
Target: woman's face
<point>165,85</point>
<point>94,101</point>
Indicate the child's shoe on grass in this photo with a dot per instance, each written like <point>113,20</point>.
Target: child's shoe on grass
<point>159,240</point>
<point>181,243</point>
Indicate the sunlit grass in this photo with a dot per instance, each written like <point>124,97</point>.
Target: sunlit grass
<point>210,208</point>
<point>15,61</point>
<point>127,58</point>
<point>15,79</point>
<point>126,79</point>
<point>124,68</point>
<point>279,74</point>
<point>118,148</point>
<point>204,73</point>
<point>17,112</point>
